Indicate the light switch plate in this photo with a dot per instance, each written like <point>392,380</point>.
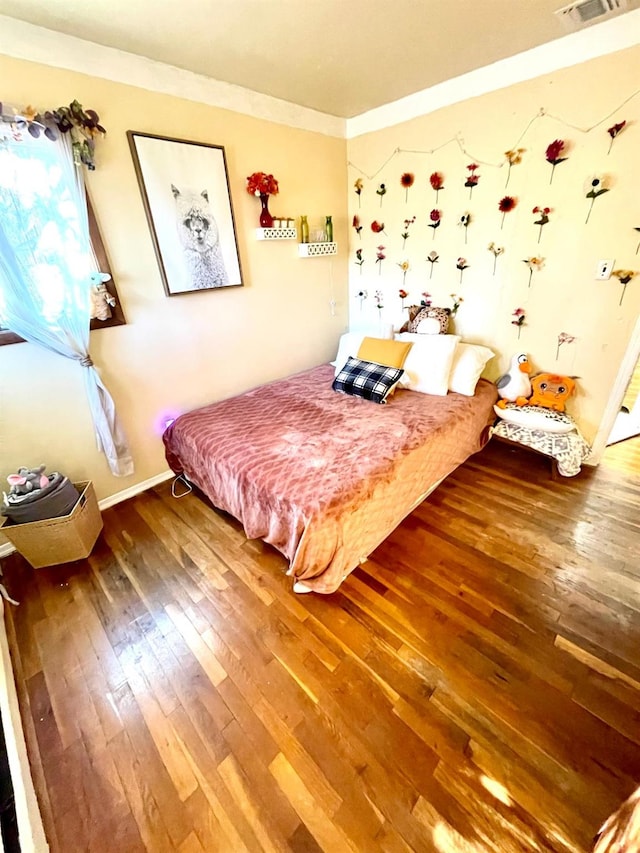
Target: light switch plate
<point>603,270</point>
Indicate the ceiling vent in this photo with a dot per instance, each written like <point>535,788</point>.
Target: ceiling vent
<point>587,12</point>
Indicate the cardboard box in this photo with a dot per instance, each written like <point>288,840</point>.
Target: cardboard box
<point>59,540</point>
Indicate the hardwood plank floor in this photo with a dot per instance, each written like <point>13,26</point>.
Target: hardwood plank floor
<point>474,686</point>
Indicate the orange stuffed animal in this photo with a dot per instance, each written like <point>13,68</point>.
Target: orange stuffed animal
<point>551,391</point>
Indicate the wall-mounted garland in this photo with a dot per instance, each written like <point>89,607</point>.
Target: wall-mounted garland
<point>83,127</point>
<point>512,156</point>
<point>556,152</point>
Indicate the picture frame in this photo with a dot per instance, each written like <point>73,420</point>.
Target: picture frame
<point>185,192</point>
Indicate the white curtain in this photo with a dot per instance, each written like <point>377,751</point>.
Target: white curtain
<point>45,261</point>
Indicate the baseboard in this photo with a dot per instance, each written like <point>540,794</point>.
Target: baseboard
<point>112,500</point>
<point>132,491</point>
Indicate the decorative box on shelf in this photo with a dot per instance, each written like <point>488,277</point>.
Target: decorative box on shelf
<point>315,250</point>
<point>276,233</point>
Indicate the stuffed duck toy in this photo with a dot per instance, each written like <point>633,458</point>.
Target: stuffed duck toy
<point>515,386</point>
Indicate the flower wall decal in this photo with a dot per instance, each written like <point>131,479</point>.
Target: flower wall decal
<point>380,256</point>
<point>519,319</point>
<point>596,188</point>
<point>506,205</point>
<point>425,300</point>
<point>543,217</point>
<point>563,338</point>
<point>552,155</point>
<point>615,130</point>
<point>402,293</point>
<point>433,259</point>
<point>472,177</point>
<point>497,251</point>
<point>359,259</point>
<point>436,179</point>
<point>407,180</point>
<point>457,301</point>
<point>379,302</point>
<point>624,277</point>
<point>436,217</point>
<point>377,227</point>
<point>381,191</point>
<point>638,246</point>
<point>461,264</point>
<point>362,295</point>
<point>358,186</point>
<point>356,224</point>
<point>464,221</point>
<point>83,127</point>
<point>405,233</point>
<point>514,157</point>
<point>404,266</point>
<point>534,263</point>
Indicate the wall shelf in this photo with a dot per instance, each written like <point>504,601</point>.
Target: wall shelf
<point>315,250</point>
<point>276,234</point>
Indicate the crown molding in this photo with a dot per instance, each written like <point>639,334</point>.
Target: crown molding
<point>601,39</point>
<point>21,40</point>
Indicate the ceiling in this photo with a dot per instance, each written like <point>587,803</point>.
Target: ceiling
<point>341,57</point>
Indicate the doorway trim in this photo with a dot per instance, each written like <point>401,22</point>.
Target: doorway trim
<point>625,371</point>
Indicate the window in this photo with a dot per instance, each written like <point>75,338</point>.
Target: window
<point>40,217</point>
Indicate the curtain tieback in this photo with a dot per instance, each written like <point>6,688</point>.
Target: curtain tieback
<point>86,361</point>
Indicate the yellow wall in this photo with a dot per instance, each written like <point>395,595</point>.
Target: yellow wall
<point>179,352</point>
<point>564,297</point>
<point>176,353</point>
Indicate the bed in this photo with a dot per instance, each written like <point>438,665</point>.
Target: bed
<point>325,477</point>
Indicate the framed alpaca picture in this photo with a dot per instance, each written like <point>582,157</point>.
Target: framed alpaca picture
<point>185,192</point>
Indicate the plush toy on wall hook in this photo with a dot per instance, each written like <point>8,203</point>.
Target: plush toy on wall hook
<point>101,300</point>
<point>515,386</point>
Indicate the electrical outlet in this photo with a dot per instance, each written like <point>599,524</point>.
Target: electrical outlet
<point>603,270</point>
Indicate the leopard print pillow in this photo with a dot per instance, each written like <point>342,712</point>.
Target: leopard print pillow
<point>441,315</point>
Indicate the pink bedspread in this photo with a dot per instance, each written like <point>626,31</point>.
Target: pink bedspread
<point>322,476</point>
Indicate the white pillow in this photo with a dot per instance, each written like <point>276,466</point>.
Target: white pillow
<point>468,363</point>
<point>348,346</point>
<point>428,364</point>
<point>536,417</point>
<point>428,326</point>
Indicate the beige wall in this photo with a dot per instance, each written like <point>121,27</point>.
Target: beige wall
<point>564,297</point>
<point>180,352</point>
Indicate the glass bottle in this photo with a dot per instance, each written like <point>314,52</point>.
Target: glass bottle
<point>304,230</point>
<point>328,229</point>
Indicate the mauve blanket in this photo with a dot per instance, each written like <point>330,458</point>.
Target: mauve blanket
<point>322,476</point>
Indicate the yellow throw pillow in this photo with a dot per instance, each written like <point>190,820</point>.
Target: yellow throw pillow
<point>387,352</point>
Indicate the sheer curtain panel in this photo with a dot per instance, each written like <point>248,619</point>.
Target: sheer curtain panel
<point>45,262</point>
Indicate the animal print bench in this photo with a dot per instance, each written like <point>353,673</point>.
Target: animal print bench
<point>553,434</point>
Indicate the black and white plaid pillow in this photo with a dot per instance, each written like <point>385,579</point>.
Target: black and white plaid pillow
<point>367,379</point>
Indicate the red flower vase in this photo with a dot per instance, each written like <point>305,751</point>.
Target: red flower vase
<point>266,219</point>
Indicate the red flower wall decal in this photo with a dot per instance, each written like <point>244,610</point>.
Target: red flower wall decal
<point>436,179</point>
<point>554,149</point>
<point>435,216</point>
<point>472,178</point>
<point>506,205</point>
<point>614,130</point>
<point>407,180</point>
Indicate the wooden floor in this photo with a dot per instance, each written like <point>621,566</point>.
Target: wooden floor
<point>475,686</point>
